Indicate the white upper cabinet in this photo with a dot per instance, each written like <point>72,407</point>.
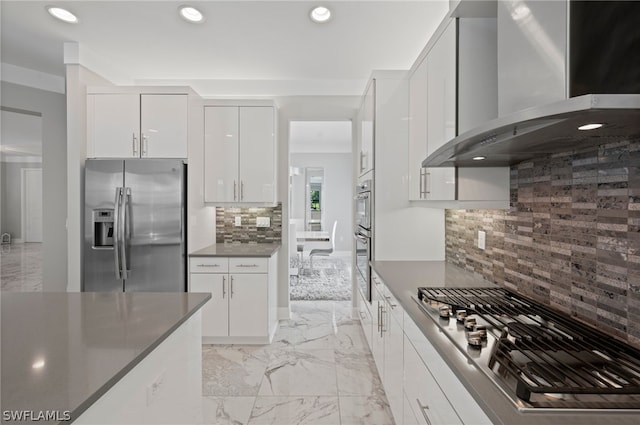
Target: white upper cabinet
<point>239,154</point>
<point>417,130</point>
<point>164,125</point>
<point>134,125</point>
<point>221,154</point>
<point>432,110</point>
<point>257,154</point>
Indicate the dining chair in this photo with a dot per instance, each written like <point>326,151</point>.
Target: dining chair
<point>324,251</point>
<point>295,251</point>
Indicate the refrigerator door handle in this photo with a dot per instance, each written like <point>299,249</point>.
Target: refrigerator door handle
<point>125,229</point>
<point>116,232</point>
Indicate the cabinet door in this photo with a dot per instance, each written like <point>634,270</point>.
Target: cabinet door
<point>257,154</point>
<point>441,111</point>
<point>164,125</point>
<point>428,402</point>
<point>248,304</point>
<point>393,360</point>
<point>377,337</point>
<point>365,319</point>
<point>221,154</point>
<point>367,129</point>
<point>215,313</point>
<point>417,131</point>
<point>113,125</point>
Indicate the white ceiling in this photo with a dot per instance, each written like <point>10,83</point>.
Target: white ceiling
<point>243,48</point>
<point>320,136</point>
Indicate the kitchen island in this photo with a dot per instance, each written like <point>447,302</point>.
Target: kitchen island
<point>402,278</point>
<point>101,357</point>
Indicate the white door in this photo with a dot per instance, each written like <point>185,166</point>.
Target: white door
<point>32,214</point>
<point>215,313</point>
<point>257,154</point>
<point>113,125</point>
<point>164,125</point>
<point>248,306</point>
<point>221,154</point>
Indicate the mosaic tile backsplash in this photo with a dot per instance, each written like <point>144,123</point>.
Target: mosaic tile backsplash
<point>228,232</point>
<point>571,238</point>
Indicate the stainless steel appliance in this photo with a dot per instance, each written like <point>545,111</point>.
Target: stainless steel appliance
<point>362,235</point>
<point>540,358</point>
<point>135,225</point>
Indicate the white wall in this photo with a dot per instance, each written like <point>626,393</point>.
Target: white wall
<point>12,197</point>
<point>51,106</point>
<point>337,203</point>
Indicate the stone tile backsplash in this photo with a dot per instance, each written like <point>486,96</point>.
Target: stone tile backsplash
<point>228,232</point>
<point>571,238</point>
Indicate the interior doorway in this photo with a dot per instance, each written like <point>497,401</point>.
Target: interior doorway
<point>320,195</point>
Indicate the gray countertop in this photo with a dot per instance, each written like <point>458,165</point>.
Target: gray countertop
<point>238,250</point>
<point>404,277</point>
<point>63,351</point>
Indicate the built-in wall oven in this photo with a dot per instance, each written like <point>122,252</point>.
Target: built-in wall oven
<point>362,235</point>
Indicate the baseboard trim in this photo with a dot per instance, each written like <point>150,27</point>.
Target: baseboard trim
<point>284,313</point>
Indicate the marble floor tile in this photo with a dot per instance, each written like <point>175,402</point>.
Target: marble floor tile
<point>365,411</point>
<point>300,373</point>
<point>296,411</point>
<point>227,410</point>
<point>21,267</point>
<point>233,370</point>
<point>350,338</point>
<point>357,374</point>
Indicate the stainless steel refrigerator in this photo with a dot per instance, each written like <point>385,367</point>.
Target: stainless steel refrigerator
<point>135,225</point>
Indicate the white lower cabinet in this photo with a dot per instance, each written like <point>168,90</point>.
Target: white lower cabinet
<point>419,385</point>
<point>393,359</point>
<point>429,404</point>
<point>242,298</point>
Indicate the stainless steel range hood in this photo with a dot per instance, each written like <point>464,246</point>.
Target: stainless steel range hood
<point>560,65</point>
<point>539,131</point>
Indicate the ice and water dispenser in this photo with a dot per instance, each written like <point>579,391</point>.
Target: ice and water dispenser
<point>103,228</point>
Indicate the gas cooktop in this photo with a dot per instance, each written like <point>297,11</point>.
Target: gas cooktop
<point>540,358</point>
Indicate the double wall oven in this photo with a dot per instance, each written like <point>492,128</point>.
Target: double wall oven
<point>362,235</point>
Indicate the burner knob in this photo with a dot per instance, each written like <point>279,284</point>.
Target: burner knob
<point>460,315</point>
<point>445,311</point>
<point>469,323</point>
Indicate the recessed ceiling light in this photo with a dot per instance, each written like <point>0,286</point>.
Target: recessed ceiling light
<point>589,126</point>
<point>62,14</point>
<point>479,158</point>
<point>191,14</point>
<point>320,14</point>
<point>38,364</point>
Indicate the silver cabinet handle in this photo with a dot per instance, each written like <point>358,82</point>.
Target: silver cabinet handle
<point>116,232</point>
<point>363,317</point>
<point>242,190</point>
<point>392,305</point>
<point>234,190</point>
<point>134,141</point>
<point>380,318</point>
<point>428,179</point>
<point>144,145</point>
<point>231,286</point>
<point>382,313</point>
<point>247,265</point>
<point>208,265</point>
<point>223,290</point>
<point>423,409</point>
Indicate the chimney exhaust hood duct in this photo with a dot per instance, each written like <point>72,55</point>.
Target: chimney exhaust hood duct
<point>542,104</point>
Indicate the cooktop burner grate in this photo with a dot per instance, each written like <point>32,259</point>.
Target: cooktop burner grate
<point>547,352</point>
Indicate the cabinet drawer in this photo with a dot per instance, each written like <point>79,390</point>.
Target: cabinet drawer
<point>248,265</point>
<point>208,264</point>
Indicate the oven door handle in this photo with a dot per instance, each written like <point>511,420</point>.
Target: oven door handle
<point>363,195</point>
<point>361,237</point>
